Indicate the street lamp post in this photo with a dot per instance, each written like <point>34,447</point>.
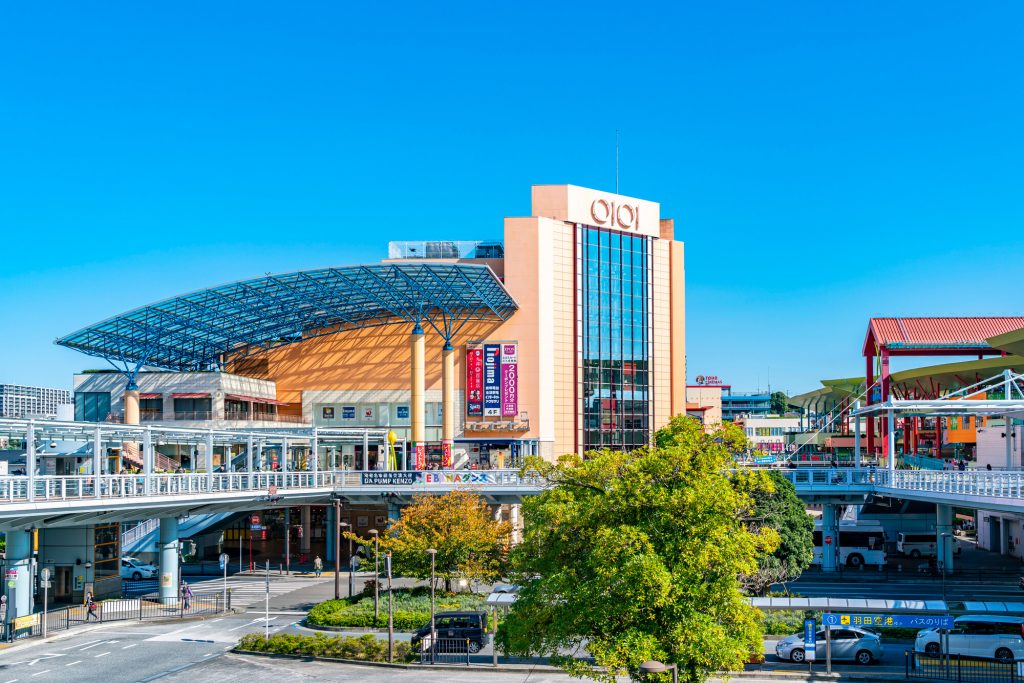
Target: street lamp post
<point>942,565</point>
<point>433,631</point>
<point>656,667</point>
<point>391,611</point>
<point>376,575</point>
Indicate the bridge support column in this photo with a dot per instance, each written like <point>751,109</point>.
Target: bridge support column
<point>513,513</point>
<point>447,403</point>
<point>304,519</point>
<point>829,529</point>
<point>890,440</point>
<point>130,449</point>
<point>418,407</point>
<point>169,572</point>
<point>394,513</point>
<point>944,537</point>
<point>331,522</point>
<point>209,460</point>
<point>19,558</point>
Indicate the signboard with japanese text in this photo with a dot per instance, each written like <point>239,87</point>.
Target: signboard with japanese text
<point>401,478</point>
<point>509,380</point>
<point>460,477</point>
<point>419,451</point>
<point>895,620</point>
<point>492,380</point>
<point>810,639</point>
<point>348,412</point>
<point>475,381</point>
<point>446,454</point>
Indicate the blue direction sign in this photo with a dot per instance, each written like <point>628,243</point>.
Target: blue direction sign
<point>902,620</point>
<point>810,638</point>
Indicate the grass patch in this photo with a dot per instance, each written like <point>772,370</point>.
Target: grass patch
<point>366,648</point>
<point>411,609</point>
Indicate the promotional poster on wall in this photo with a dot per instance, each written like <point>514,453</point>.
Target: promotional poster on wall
<point>492,380</point>
<point>474,381</point>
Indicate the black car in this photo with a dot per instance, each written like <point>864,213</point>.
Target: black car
<point>454,629</point>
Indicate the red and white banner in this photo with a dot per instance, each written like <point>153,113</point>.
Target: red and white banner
<point>474,381</point>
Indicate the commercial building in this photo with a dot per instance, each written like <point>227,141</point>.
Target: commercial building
<point>735,406</point>
<point>704,403</point>
<point>565,336</point>
<point>769,434</point>
<point>23,401</point>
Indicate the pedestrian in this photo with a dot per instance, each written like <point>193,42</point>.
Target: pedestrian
<point>962,465</point>
<point>186,595</point>
<point>318,566</point>
<point>91,606</point>
<point>988,466</point>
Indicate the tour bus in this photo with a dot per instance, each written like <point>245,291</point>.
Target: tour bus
<point>859,543</point>
<point>922,543</point>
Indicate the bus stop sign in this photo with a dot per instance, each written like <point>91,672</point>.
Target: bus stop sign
<point>810,638</point>
<point>901,620</point>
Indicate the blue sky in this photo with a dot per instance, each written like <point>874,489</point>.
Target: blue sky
<point>824,162</point>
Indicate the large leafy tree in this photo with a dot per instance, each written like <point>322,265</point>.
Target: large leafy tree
<point>779,402</point>
<point>470,544</point>
<point>779,508</point>
<point>638,556</point>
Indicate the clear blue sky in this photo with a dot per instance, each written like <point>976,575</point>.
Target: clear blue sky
<point>824,162</point>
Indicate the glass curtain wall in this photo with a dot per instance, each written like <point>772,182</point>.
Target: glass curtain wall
<point>614,337</point>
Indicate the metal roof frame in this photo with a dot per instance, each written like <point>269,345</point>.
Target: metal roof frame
<point>1008,383</point>
<point>204,329</point>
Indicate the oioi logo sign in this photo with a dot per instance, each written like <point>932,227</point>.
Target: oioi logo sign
<point>610,214</point>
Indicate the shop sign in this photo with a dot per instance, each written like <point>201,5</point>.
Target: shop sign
<point>390,478</point>
<point>509,380</point>
<point>468,477</point>
<point>348,412</point>
<point>615,215</point>
<point>26,621</point>
<point>446,454</point>
<point>709,380</point>
<point>420,452</point>
<point>402,412</point>
<point>475,381</point>
<point>492,380</point>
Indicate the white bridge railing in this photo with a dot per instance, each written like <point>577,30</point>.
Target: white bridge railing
<point>15,488</point>
<point>996,484</point>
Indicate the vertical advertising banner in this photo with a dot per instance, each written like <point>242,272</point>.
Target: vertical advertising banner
<point>420,452</point>
<point>474,381</point>
<point>446,455</point>
<point>509,380</point>
<point>492,380</point>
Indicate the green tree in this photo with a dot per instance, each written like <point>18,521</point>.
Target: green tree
<point>639,556</point>
<point>780,403</point>
<point>470,544</point>
<point>779,508</point>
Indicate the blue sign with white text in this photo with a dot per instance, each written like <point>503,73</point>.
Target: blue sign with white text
<point>900,620</point>
<point>810,633</point>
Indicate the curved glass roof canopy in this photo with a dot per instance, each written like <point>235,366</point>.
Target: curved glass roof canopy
<point>207,328</point>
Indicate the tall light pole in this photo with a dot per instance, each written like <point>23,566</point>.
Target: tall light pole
<point>391,611</point>
<point>376,575</point>
<point>433,632</point>
<point>942,565</point>
<point>348,526</point>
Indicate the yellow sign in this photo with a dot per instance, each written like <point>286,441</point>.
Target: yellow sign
<point>845,620</point>
<point>26,622</point>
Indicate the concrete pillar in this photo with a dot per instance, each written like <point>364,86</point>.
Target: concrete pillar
<point>248,459</point>
<point>1008,432</point>
<point>829,529</point>
<point>130,449</point>
<point>329,555</point>
<point>890,440</point>
<point>19,558</point>
<point>314,456</point>
<point>1004,536</point>
<point>944,537</point>
<point>97,461</point>
<point>147,459</point>
<point>284,456</point>
<point>209,460</point>
<point>856,435</point>
<point>307,531</point>
<point>169,575</point>
<point>514,520</point>
<point>447,403</point>
<point>418,406</point>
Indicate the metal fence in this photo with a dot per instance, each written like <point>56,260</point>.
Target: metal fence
<point>963,669</point>
<point>120,609</point>
<point>447,651</point>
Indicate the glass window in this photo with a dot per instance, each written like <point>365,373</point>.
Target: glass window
<point>92,406</point>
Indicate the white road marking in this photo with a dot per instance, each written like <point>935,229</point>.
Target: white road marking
<point>254,621</point>
<point>13,680</point>
<point>77,661</point>
<point>40,673</point>
<point>209,654</point>
<point>98,642</point>
<point>128,646</point>
<point>71,647</point>
<point>103,654</point>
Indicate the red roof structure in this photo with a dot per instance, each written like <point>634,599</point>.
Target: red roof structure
<point>936,336</point>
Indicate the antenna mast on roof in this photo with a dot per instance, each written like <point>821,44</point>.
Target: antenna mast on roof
<point>616,161</point>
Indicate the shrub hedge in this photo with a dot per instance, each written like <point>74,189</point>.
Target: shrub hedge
<point>367,648</point>
<point>411,609</point>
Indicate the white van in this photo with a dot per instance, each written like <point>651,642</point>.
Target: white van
<point>979,635</point>
<point>922,543</point>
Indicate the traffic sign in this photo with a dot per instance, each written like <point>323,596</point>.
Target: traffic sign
<point>44,573</point>
<point>828,540</point>
<point>254,520</point>
<point>894,620</point>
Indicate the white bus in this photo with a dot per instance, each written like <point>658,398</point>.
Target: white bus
<point>859,544</point>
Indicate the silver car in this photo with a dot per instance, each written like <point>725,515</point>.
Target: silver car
<point>848,643</point>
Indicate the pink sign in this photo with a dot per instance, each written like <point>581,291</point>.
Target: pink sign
<point>509,380</point>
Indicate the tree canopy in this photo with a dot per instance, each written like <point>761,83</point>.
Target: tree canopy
<point>470,544</point>
<point>779,402</point>
<point>780,509</point>
<point>638,556</point>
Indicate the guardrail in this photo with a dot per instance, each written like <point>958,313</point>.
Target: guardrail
<point>15,488</point>
<point>141,529</point>
<point>1006,484</point>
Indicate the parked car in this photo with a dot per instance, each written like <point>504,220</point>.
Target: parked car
<point>848,643</point>
<point>135,569</point>
<point>454,629</point>
<point>978,635</point>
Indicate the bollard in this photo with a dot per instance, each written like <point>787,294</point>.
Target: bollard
<point>467,651</point>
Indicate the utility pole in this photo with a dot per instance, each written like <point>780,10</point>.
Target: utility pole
<point>337,549</point>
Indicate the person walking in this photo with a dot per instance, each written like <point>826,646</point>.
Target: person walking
<point>186,595</point>
<point>91,605</point>
<point>318,566</point>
